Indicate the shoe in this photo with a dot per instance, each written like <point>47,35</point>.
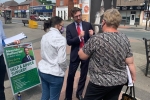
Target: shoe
<point>79,97</point>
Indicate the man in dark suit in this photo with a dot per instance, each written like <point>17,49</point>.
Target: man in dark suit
<point>77,33</point>
<point>27,56</point>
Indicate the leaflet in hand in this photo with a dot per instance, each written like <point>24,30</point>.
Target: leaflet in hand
<point>16,37</point>
<point>130,83</point>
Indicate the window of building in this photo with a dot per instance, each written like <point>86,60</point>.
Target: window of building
<point>19,7</point>
<point>61,2</point>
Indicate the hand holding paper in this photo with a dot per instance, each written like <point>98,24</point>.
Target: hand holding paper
<point>130,83</point>
<point>15,39</point>
<point>17,42</point>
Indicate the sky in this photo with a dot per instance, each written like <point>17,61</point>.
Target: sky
<point>19,1</point>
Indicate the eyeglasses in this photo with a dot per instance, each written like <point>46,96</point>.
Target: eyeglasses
<point>61,25</point>
<point>78,16</point>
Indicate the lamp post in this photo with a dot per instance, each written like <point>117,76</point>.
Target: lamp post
<point>147,10</point>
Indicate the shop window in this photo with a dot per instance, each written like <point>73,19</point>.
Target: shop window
<point>137,19</point>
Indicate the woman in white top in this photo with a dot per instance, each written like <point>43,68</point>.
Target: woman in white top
<point>53,65</point>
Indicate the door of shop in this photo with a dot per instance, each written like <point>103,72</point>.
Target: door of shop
<point>132,17</point>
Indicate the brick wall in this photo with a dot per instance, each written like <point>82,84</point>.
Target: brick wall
<point>70,6</point>
<point>57,3</point>
<point>26,6</point>
<point>13,9</point>
<point>65,2</point>
<point>54,11</point>
<point>34,3</point>
<point>68,3</point>
<point>23,7</point>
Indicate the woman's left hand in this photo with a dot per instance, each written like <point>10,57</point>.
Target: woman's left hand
<point>17,42</point>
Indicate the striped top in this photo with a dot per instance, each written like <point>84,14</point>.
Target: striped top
<point>108,52</point>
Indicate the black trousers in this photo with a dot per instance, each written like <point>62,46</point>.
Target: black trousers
<point>70,80</point>
<point>2,77</point>
<point>96,92</point>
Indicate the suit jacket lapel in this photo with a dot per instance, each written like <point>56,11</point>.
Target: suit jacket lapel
<point>84,29</point>
<point>74,30</point>
<point>83,26</point>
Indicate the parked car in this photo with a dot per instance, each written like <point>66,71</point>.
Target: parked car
<point>43,17</point>
<point>34,17</point>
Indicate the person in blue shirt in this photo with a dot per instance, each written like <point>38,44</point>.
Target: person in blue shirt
<point>2,63</point>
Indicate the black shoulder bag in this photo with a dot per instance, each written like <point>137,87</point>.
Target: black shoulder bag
<point>130,96</point>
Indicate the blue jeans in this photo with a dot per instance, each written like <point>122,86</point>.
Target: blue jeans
<point>51,86</point>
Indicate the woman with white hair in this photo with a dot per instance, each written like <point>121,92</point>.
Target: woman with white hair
<point>109,53</point>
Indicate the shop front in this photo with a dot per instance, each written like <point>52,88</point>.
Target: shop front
<point>42,10</point>
<point>23,14</point>
<point>19,13</point>
<point>62,12</point>
<point>131,14</point>
<point>27,13</point>
<point>16,13</point>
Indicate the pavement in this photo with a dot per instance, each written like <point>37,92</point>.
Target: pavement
<point>142,84</point>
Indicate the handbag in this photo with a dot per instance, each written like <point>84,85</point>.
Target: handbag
<point>130,96</point>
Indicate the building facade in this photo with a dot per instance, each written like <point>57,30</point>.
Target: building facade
<point>23,8</point>
<point>46,10</point>
<point>133,11</point>
<point>63,8</point>
<point>13,5</point>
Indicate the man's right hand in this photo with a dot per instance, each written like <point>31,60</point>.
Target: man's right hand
<point>81,34</point>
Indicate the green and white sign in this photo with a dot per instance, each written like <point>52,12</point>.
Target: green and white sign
<point>21,67</point>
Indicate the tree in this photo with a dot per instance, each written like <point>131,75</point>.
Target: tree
<point>45,2</point>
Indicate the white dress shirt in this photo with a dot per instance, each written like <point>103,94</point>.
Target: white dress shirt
<point>53,53</point>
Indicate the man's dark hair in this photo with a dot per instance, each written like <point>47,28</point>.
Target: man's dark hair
<point>52,22</point>
<point>74,10</point>
<point>25,48</point>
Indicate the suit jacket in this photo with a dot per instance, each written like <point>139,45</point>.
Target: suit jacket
<point>25,59</point>
<point>73,39</point>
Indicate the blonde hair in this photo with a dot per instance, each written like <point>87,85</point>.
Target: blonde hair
<point>112,18</point>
